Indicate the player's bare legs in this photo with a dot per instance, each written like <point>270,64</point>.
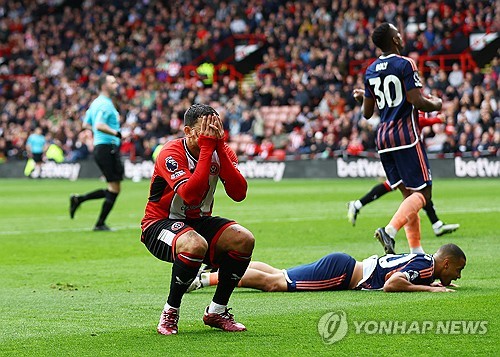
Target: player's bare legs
<point>263,267</point>
<point>257,279</point>
<point>267,279</point>
<point>405,216</point>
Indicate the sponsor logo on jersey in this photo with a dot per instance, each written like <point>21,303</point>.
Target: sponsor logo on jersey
<point>177,225</point>
<point>416,78</point>
<point>214,169</point>
<point>177,174</point>
<point>189,208</point>
<point>171,164</point>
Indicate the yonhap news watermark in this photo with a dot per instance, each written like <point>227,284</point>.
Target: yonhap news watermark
<point>334,326</point>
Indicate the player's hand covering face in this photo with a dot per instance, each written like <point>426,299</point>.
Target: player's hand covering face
<point>211,126</point>
<point>218,127</point>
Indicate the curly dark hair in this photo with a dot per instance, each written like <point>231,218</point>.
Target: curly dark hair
<point>381,36</point>
<point>196,111</point>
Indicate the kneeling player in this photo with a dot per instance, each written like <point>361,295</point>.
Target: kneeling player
<point>339,271</point>
<point>178,226</point>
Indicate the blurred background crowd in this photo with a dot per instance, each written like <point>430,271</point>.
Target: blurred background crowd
<point>295,103</point>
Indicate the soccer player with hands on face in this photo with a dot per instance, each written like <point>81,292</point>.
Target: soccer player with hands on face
<point>178,225</point>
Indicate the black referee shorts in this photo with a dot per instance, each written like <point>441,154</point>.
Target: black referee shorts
<point>38,157</point>
<point>107,157</point>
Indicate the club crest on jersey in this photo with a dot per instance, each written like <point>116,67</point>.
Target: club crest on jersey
<point>176,226</point>
<point>214,169</point>
<point>171,164</point>
<point>412,275</point>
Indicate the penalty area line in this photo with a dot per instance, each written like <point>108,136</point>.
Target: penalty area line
<point>118,228</point>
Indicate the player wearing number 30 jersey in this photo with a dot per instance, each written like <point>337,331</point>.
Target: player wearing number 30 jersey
<point>393,85</point>
<point>387,80</point>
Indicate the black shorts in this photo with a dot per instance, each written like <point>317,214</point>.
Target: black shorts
<point>107,157</point>
<point>38,157</point>
<point>160,237</point>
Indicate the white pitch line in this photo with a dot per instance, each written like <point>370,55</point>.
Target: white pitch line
<point>246,221</point>
<point>86,229</point>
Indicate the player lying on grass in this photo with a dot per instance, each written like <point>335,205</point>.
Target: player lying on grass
<point>339,271</point>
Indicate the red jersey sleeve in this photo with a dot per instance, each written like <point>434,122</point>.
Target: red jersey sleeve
<point>423,121</point>
<point>234,182</point>
<point>173,167</point>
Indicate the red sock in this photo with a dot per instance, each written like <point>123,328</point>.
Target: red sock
<point>412,229</point>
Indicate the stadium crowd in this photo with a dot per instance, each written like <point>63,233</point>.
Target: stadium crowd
<point>299,102</point>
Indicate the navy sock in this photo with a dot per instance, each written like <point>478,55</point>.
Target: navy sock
<point>375,192</point>
<point>431,212</point>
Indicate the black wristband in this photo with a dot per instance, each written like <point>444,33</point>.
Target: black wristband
<point>118,135</point>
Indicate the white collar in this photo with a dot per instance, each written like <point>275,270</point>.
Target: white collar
<point>388,56</point>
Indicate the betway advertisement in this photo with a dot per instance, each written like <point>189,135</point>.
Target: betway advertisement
<point>485,167</point>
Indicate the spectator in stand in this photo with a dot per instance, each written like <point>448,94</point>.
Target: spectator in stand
<point>310,47</point>
<point>318,146</point>
<point>456,76</point>
<point>494,147</point>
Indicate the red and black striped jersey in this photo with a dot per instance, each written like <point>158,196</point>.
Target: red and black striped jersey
<point>174,166</point>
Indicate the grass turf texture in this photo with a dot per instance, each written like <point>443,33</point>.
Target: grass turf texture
<point>66,290</point>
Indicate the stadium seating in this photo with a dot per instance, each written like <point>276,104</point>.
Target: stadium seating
<point>49,81</point>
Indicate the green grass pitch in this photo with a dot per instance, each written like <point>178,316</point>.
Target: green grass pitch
<point>68,291</point>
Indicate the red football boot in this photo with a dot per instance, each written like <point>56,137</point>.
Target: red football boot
<point>168,322</point>
<point>224,321</point>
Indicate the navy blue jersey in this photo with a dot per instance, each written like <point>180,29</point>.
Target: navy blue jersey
<point>332,272</point>
<point>418,269</point>
<point>388,80</point>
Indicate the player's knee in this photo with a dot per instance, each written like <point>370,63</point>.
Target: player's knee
<point>240,240</point>
<point>191,242</point>
<point>245,242</point>
<point>236,238</point>
<point>114,187</point>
